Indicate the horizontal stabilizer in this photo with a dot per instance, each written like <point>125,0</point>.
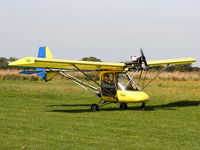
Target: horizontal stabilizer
<point>30,72</point>
<point>45,75</point>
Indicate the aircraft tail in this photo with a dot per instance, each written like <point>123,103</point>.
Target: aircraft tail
<point>43,52</point>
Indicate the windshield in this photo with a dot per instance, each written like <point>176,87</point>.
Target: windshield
<point>125,83</point>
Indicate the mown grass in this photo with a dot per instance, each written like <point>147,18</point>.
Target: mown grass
<point>56,115</point>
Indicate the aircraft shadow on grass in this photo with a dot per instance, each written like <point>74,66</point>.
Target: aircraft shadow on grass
<point>69,105</point>
<point>169,106</point>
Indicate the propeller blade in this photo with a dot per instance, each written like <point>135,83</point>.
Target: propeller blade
<point>143,57</point>
<point>141,51</point>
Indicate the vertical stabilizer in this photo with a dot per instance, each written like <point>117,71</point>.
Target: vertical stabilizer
<point>44,52</point>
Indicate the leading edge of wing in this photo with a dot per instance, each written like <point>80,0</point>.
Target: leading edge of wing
<point>66,64</point>
<point>171,62</point>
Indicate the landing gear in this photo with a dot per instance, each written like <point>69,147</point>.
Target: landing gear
<point>94,107</point>
<point>123,106</point>
<point>142,106</point>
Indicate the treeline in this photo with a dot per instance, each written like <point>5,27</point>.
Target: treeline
<point>181,68</point>
<point>5,61</point>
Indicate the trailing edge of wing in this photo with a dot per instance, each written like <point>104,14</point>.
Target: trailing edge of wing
<point>66,64</point>
<point>170,62</point>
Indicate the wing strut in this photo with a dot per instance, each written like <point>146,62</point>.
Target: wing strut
<point>78,81</point>
<point>155,76</point>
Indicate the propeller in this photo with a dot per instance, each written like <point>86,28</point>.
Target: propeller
<point>143,57</point>
<point>138,63</point>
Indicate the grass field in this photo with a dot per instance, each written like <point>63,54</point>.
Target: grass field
<point>55,115</point>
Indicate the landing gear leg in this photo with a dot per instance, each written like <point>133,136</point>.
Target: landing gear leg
<point>142,106</point>
<point>95,107</point>
<point>123,106</point>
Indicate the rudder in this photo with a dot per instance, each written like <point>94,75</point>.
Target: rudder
<point>44,52</point>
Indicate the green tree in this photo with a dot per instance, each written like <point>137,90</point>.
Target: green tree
<point>180,68</point>
<point>184,68</point>
<point>12,59</point>
<point>91,59</point>
<point>3,63</point>
<point>197,69</point>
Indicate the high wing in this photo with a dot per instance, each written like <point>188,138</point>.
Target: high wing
<point>87,65</point>
<point>45,60</point>
<point>170,62</point>
<point>67,64</point>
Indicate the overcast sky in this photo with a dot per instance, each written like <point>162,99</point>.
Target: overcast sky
<point>112,30</point>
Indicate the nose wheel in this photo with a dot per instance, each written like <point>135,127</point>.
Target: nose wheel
<point>123,106</point>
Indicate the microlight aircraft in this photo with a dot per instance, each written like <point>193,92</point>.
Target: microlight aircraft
<point>116,84</point>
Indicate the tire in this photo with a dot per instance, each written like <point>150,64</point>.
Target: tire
<point>94,107</point>
<point>123,106</point>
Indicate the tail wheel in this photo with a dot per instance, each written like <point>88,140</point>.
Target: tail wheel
<point>123,106</point>
<point>94,107</point>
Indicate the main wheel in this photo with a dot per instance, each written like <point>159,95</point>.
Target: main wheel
<point>142,106</point>
<point>94,107</point>
<point>123,106</point>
